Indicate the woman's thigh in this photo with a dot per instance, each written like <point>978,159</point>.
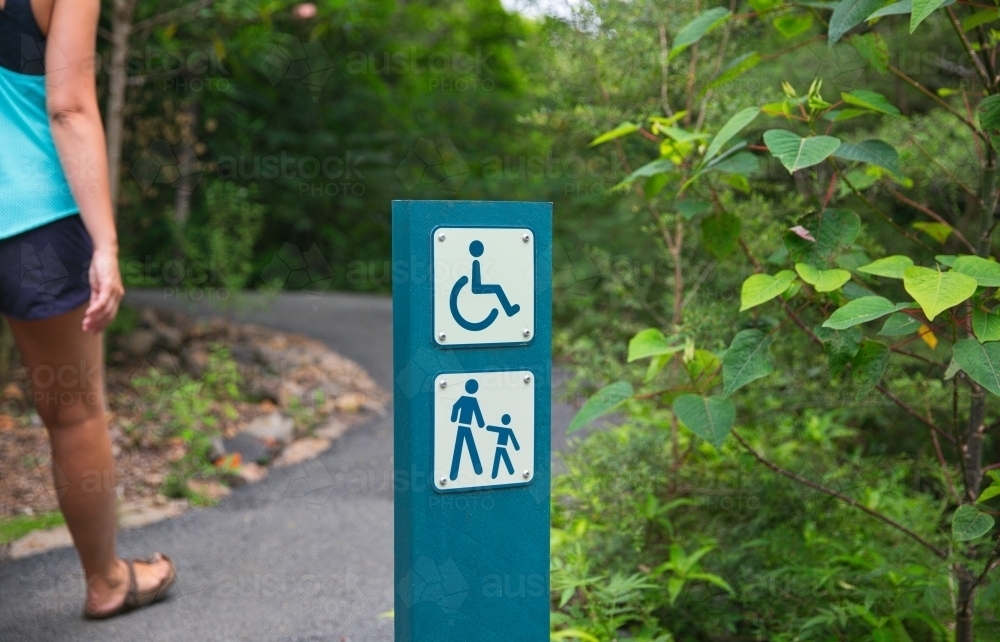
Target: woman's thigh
<point>65,367</point>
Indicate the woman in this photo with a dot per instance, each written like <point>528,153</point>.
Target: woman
<point>59,280</point>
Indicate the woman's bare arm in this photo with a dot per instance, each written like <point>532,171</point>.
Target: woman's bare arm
<point>71,92</point>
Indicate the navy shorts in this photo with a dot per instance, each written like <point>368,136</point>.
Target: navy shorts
<point>44,271</point>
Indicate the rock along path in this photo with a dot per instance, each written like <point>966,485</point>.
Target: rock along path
<point>303,556</point>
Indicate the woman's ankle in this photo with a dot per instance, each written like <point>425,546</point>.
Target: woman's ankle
<point>110,580</point>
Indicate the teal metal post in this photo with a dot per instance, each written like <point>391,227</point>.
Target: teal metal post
<point>472,335</point>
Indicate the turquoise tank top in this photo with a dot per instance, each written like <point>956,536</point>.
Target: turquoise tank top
<point>33,186</point>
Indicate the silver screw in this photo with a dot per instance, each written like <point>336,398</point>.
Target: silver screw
<point>444,480</point>
<point>441,336</point>
<point>527,378</point>
<point>525,238</point>
<point>527,474</point>
<point>443,383</point>
<point>526,332</point>
<point>441,237</point>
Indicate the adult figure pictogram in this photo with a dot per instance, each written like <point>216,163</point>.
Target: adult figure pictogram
<point>476,249</point>
<point>464,411</point>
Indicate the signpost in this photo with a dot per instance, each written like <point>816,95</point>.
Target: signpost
<point>472,329</point>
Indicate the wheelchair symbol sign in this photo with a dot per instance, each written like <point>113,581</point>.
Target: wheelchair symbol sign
<point>484,282</point>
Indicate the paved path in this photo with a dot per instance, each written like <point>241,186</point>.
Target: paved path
<point>304,556</point>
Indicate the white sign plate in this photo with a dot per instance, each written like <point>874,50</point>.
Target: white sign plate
<point>484,285</point>
<point>484,429</point>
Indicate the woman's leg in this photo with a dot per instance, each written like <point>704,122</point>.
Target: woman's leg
<point>65,368</point>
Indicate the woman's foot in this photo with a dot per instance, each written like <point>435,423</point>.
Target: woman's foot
<point>107,595</point>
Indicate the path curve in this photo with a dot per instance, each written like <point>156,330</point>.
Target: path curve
<point>304,556</point>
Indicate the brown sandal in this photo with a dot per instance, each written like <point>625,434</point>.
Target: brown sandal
<point>134,598</point>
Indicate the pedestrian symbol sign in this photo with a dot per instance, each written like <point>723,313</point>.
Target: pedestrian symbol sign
<point>483,285</point>
<point>484,429</point>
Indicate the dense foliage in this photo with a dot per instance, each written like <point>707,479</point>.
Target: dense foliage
<point>912,390</point>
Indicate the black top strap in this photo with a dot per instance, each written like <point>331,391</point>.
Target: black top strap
<point>22,44</point>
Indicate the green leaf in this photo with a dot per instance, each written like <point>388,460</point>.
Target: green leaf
<point>863,310</point>
<point>989,493</point>
<point>651,343</point>
<point>791,25</point>
<point>822,280</point>
<point>840,345</point>
<point>732,127</point>
<point>746,360</point>
<point>695,30</point>
<point>891,267</point>
<point>868,366</point>
<point>979,18</point>
<point>761,288</point>
<point>899,325</point>
<point>895,9</point>
<point>674,587</point>
<point>936,291</point>
<point>795,152</point>
<point>711,418</point>
<point>737,182</point>
<point>947,260</point>
<point>682,135</point>
<point>692,208</point>
<point>873,49</point>
<point>761,6</point>
<point>653,168</point>
<point>604,401</point>
<point>873,152</point>
<point>742,163</point>
<point>849,14</point>
<point>937,231</point>
<point>624,129</point>
<point>968,523</point>
<point>655,365</point>
<point>870,100</point>
<point>900,8</point>
<point>703,369</point>
<point>989,119</point>
<point>720,234</point>
<point>832,230</point>
<point>980,362</point>
<point>986,326</point>
<point>734,69</point>
<point>922,9</point>
<point>985,272</point>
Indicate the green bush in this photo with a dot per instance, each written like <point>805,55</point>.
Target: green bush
<point>800,564</point>
<point>190,410</point>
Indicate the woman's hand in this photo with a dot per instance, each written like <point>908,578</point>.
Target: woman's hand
<point>106,291</point>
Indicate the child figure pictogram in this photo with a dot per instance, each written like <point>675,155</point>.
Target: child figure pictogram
<point>464,411</point>
<point>503,434</point>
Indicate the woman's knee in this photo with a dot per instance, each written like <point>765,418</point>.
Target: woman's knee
<point>68,408</point>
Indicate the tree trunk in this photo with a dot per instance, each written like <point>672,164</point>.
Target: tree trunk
<point>186,163</point>
<point>123,12</point>
<point>964,607</point>
<point>971,450</point>
<point>974,443</point>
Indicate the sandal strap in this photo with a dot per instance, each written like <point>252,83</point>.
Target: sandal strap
<point>132,594</point>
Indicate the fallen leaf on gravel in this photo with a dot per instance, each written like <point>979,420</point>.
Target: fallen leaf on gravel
<point>229,462</point>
